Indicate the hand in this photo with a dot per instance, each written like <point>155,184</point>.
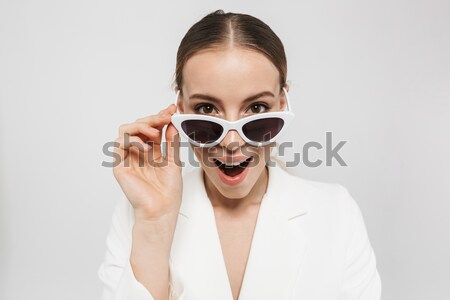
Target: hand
<point>152,183</point>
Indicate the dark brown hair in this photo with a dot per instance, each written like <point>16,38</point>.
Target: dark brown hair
<point>219,28</point>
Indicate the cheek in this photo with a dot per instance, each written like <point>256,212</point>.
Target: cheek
<point>199,154</point>
<point>262,154</point>
<point>204,157</point>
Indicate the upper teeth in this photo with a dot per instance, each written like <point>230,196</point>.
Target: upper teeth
<point>232,163</point>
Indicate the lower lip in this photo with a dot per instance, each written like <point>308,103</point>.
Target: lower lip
<point>232,180</point>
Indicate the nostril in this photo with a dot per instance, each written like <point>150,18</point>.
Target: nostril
<point>233,146</point>
<point>232,140</point>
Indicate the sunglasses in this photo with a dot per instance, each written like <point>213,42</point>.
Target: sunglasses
<point>257,130</point>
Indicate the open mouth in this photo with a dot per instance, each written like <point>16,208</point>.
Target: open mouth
<point>233,169</point>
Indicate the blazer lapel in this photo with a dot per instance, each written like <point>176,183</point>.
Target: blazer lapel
<point>279,243</point>
<point>278,246</point>
<point>196,249</point>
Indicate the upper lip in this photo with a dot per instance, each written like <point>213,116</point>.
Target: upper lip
<point>233,159</point>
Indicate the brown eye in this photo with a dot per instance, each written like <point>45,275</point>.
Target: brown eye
<point>204,109</point>
<point>258,108</point>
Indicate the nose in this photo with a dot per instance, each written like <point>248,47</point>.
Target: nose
<point>232,141</point>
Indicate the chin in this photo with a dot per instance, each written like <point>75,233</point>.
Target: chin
<point>236,192</point>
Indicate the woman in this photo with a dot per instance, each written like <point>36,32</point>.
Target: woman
<point>236,228</point>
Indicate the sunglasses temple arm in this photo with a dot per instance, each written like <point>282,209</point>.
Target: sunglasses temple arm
<point>176,100</point>
<point>288,105</point>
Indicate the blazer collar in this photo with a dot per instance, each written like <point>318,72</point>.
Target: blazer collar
<point>279,244</point>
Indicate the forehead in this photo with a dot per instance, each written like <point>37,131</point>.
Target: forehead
<point>231,72</point>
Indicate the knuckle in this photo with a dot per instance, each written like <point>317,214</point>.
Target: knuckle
<point>140,120</point>
<point>117,141</point>
<point>163,113</point>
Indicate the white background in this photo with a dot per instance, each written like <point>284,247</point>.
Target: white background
<point>376,74</point>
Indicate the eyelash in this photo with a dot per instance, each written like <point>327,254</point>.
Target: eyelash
<point>198,107</point>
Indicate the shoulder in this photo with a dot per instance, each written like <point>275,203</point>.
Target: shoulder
<point>333,215</point>
<point>322,199</point>
<point>318,191</point>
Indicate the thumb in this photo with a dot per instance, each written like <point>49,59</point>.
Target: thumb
<point>173,145</point>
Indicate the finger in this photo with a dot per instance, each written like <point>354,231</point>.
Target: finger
<point>123,145</point>
<point>164,116</point>
<point>139,128</point>
<point>120,152</point>
<point>159,119</point>
<point>134,141</point>
<point>133,144</point>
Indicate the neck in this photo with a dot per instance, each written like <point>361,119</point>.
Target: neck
<point>254,197</point>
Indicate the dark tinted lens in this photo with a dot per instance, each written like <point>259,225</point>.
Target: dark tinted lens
<point>202,131</point>
<point>263,130</point>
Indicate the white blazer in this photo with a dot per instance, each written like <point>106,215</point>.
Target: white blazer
<point>310,243</point>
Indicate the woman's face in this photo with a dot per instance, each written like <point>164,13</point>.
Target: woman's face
<point>217,82</point>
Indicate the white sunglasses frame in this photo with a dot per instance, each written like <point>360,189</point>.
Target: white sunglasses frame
<point>286,116</point>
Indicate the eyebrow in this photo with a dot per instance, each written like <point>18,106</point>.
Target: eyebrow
<point>214,99</point>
